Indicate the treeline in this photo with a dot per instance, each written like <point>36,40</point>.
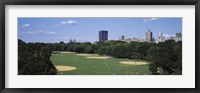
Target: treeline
<point>165,57</point>
<point>118,49</point>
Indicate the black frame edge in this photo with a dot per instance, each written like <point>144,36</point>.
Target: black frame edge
<point>197,51</point>
<point>101,2</point>
<point>2,47</point>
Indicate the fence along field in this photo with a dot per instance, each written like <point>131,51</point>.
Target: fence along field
<point>70,63</point>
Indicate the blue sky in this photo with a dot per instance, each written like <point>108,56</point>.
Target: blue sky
<point>51,30</point>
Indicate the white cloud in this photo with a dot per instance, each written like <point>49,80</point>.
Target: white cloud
<point>40,32</point>
<point>150,19</point>
<point>69,22</point>
<point>25,25</point>
<point>32,32</point>
<point>51,33</point>
<point>153,19</point>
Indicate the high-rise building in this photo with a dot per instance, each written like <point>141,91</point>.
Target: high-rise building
<point>160,34</point>
<point>178,37</point>
<point>121,38</point>
<point>103,35</point>
<point>72,40</point>
<point>149,37</point>
<point>160,37</point>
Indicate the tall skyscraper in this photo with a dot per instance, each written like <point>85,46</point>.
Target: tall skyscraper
<point>178,36</point>
<point>149,37</point>
<point>121,38</point>
<point>160,37</point>
<point>103,35</point>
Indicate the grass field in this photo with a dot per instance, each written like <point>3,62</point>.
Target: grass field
<point>93,64</point>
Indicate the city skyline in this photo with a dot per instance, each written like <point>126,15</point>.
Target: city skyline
<point>51,30</point>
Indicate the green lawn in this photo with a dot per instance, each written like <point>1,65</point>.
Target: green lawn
<point>87,66</point>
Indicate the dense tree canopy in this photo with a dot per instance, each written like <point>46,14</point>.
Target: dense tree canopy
<point>34,59</point>
<point>167,56</point>
<point>164,57</point>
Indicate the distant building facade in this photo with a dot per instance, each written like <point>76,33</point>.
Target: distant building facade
<point>121,38</point>
<point>178,37</point>
<point>72,40</point>
<point>160,38</point>
<point>130,39</point>
<point>103,35</point>
<point>149,37</point>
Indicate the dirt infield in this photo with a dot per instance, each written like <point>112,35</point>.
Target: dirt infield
<point>86,54</point>
<point>133,63</point>
<point>65,52</point>
<point>54,54</point>
<point>98,57</point>
<point>65,68</point>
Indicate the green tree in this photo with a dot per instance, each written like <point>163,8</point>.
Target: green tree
<point>78,49</point>
<point>34,61</point>
<point>89,49</point>
<point>102,50</point>
<point>120,51</point>
<point>109,49</point>
<point>167,56</point>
